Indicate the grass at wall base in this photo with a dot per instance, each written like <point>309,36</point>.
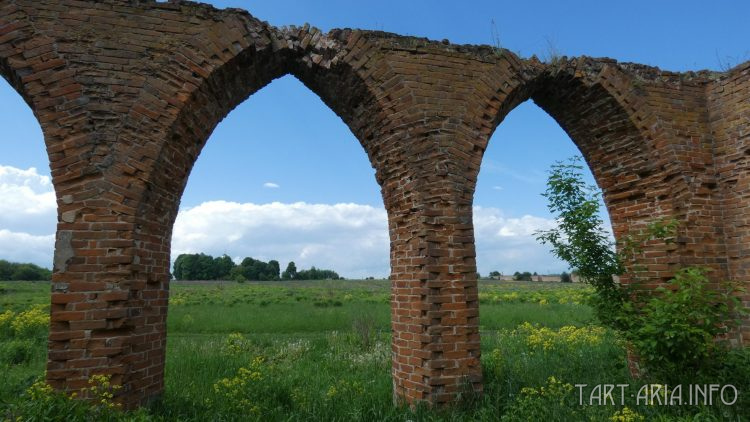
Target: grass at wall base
<point>320,351</point>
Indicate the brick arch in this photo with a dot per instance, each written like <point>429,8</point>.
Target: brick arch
<point>587,109</point>
<point>212,97</point>
<point>351,62</point>
<point>336,82</point>
<point>604,128</point>
<point>34,66</point>
<point>35,69</point>
<point>169,156</point>
<point>13,65</point>
<point>217,92</point>
<point>598,104</point>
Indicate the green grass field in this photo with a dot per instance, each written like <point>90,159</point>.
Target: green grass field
<point>320,350</point>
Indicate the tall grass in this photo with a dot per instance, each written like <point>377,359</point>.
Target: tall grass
<point>321,351</point>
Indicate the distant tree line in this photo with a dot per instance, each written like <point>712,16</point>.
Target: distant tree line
<point>527,276</point>
<point>313,273</point>
<point>205,267</point>
<point>22,271</point>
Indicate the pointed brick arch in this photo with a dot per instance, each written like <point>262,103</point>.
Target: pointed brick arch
<point>600,110</point>
<point>253,61</point>
<point>128,92</point>
<point>614,113</point>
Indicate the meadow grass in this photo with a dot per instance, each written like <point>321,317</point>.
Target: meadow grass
<point>321,351</point>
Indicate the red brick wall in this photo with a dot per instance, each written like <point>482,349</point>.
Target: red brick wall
<point>127,93</point>
<point>729,125</point>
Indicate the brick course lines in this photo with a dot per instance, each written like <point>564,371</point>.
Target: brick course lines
<point>127,93</point>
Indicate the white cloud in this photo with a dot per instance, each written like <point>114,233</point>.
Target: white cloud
<point>271,185</point>
<point>497,187</point>
<point>508,244</point>
<point>24,247</point>
<point>28,216</point>
<point>351,239</point>
<point>27,201</point>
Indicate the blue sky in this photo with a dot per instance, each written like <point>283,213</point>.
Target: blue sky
<point>283,178</point>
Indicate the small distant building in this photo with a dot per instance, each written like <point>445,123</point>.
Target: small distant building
<point>574,278</point>
<point>501,277</point>
<point>546,278</point>
<point>550,278</point>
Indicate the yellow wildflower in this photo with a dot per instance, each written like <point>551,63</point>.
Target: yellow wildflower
<point>40,391</point>
<point>32,319</point>
<point>626,415</point>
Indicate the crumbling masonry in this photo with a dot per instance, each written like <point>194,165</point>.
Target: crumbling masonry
<point>127,92</point>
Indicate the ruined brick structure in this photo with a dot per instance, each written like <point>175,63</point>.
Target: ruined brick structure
<point>127,92</point>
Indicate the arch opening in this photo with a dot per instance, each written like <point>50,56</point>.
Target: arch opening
<point>269,186</point>
<point>508,202</point>
<point>28,219</point>
<point>526,323</point>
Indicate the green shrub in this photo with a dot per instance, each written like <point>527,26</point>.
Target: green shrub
<point>238,277</point>
<point>17,351</point>
<point>580,238</point>
<point>674,329</point>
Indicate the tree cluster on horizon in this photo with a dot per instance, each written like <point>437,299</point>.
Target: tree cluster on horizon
<point>565,277</point>
<point>17,271</point>
<point>205,267</point>
<point>524,276</point>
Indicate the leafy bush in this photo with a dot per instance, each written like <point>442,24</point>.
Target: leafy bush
<point>674,329</point>
<point>580,238</point>
<point>17,351</point>
<point>236,275</point>
<point>317,274</point>
<point>524,276</point>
